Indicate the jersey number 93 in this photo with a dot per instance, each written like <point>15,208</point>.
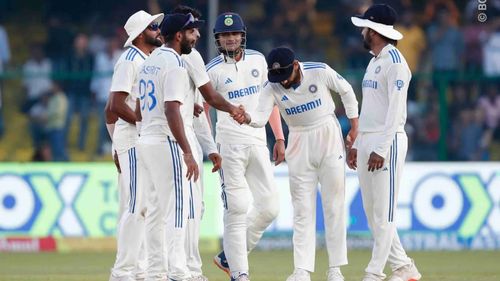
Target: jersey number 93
<point>147,88</point>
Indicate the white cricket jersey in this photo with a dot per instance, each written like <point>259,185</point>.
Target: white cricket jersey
<point>125,80</point>
<point>203,130</point>
<point>162,78</point>
<point>385,88</point>
<point>239,83</point>
<point>308,104</point>
<point>195,66</point>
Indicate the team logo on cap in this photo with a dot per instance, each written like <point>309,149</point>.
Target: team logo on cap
<point>377,70</point>
<point>400,84</point>
<point>255,73</point>
<point>228,21</point>
<point>313,88</point>
<point>276,65</point>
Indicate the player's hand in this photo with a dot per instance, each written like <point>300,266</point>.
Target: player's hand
<point>117,163</point>
<point>198,109</point>
<point>238,114</point>
<point>352,158</point>
<point>351,137</point>
<point>279,152</point>
<point>192,167</point>
<point>216,160</point>
<point>375,162</point>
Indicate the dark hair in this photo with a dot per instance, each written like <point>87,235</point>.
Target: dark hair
<point>183,9</point>
<point>169,37</point>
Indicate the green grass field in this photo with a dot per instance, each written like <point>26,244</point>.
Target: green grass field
<point>265,266</point>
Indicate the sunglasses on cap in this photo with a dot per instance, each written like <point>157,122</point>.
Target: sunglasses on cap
<point>154,26</point>
<point>279,70</point>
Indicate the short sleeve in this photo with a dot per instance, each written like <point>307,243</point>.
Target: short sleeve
<point>195,67</point>
<point>123,77</point>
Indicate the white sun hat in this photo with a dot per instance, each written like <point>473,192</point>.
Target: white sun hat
<point>381,18</point>
<point>138,22</point>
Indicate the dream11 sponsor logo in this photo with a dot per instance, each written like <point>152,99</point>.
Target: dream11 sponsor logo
<point>463,205</point>
<point>36,204</point>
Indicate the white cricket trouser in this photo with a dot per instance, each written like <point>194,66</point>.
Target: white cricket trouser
<point>195,213</point>
<point>130,260</point>
<point>246,170</point>
<point>163,173</point>
<point>379,192</point>
<point>316,154</point>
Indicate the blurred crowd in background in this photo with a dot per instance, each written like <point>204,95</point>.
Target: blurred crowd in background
<point>58,66</point>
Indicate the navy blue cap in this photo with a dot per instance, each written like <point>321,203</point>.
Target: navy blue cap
<point>280,64</point>
<point>177,22</point>
<point>380,13</point>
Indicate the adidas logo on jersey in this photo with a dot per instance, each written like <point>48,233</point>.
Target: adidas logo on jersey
<point>228,80</point>
<point>385,169</point>
<point>284,98</point>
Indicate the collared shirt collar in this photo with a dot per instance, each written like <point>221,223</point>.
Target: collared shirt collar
<point>383,51</point>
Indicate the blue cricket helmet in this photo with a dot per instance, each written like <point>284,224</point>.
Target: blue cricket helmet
<point>230,22</point>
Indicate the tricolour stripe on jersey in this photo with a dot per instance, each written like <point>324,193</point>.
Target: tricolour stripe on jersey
<point>222,185</point>
<point>130,53</point>
<point>252,52</point>
<point>313,65</point>
<point>174,151</point>
<point>213,63</point>
<point>395,56</point>
<point>135,54</point>
<point>191,203</point>
<point>132,159</point>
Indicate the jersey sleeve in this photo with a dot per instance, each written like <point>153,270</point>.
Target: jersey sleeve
<point>264,108</point>
<point>204,134</point>
<point>123,77</point>
<point>338,84</point>
<point>175,84</point>
<point>195,67</point>
<point>398,79</point>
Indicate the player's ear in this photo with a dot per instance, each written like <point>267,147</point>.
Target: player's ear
<point>179,35</point>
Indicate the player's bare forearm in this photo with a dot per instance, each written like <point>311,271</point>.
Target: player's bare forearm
<point>110,116</point>
<point>138,114</point>
<point>275,122</point>
<point>215,99</point>
<point>120,108</point>
<point>174,119</point>
<point>176,125</point>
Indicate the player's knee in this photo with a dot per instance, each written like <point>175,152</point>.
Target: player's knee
<point>270,212</point>
<point>237,207</point>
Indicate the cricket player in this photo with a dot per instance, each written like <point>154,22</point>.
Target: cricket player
<point>143,30</point>
<point>166,104</point>
<point>238,74</point>
<point>381,146</point>
<point>315,152</point>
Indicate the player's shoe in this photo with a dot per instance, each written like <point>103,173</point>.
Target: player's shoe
<point>299,275</point>
<point>221,262</point>
<point>241,277</point>
<point>334,274</point>
<point>372,277</point>
<point>406,273</point>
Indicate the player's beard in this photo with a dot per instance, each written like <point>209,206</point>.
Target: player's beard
<point>154,41</point>
<point>186,46</point>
